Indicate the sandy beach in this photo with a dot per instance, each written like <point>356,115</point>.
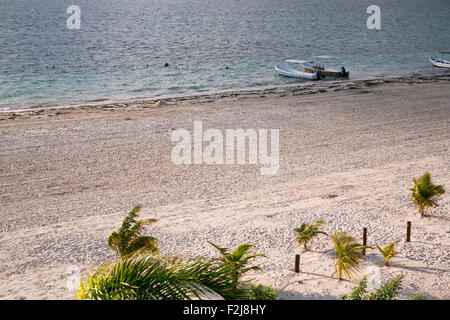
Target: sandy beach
<point>348,153</point>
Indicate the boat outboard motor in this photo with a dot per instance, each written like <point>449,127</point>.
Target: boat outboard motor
<point>318,74</point>
<point>344,73</point>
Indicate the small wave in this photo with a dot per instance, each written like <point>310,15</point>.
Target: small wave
<point>97,100</point>
<point>140,90</point>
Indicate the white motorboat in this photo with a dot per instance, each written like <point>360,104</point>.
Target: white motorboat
<point>440,62</point>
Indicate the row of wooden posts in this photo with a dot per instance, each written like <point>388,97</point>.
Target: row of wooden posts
<point>408,239</point>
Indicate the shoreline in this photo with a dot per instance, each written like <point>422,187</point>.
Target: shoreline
<point>296,88</point>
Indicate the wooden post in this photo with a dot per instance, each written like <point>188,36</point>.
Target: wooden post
<point>408,232</point>
<point>297,263</point>
<point>364,240</point>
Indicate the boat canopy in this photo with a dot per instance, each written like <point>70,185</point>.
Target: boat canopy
<point>439,60</point>
<point>309,65</point>
<point>326,57</point>
<point>296,61</point>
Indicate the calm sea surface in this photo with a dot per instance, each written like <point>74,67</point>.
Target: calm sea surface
<point>121,48</point>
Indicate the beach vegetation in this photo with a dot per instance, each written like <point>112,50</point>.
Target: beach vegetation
<point>308,231</point>
<point>237,261</point>
<point>388,252</point>
<point>418,296</point>
<point>348,254</point>
<point>425,193</point>
<point>128,239</point>
<point>260,292</point>
<point>146,276</point>
<point>388,290</point>
<point>142,273</point>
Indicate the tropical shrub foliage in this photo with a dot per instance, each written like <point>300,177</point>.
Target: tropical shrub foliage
<point>128,239</point>
<point>237,260</point>
<point>388,291</point>
<point>260,292</point>
<point>418,296</point>
<point>146,276</point>
<point>388,252</point>
<point>348,255</point>
<point>308,231</point>
<point>425,193</point>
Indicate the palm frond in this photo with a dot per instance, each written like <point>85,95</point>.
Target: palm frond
<point>150,277</point>
<point>222,251</point>
<point>240,251</point>
<point>144,243</point>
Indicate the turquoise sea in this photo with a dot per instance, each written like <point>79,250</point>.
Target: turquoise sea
<point>121,47</point>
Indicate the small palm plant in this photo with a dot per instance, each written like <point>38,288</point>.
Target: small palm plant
<point>307,231</point>
<point>424,192</point>
<point>388,252</point>
<point>349,254</point>
<point>128,239</point>
<point>237,260</point>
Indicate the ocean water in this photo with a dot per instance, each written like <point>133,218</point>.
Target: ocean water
<point>121,47</point>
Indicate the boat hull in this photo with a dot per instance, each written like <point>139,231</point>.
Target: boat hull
<point>291,73</point>
<point>440,63</point>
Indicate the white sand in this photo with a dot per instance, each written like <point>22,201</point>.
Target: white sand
<point>70,175</point>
